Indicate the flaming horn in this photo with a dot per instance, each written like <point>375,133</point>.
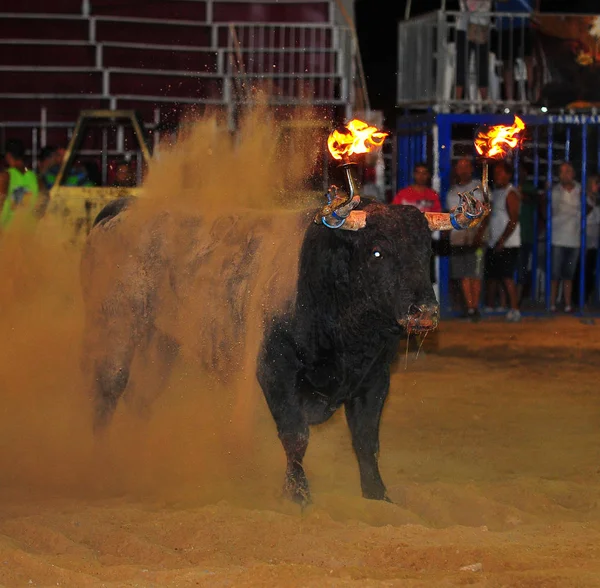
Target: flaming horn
<point>357,137</point>
<point>490,143</point>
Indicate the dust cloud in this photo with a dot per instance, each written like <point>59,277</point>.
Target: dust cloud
<point>202,438</point>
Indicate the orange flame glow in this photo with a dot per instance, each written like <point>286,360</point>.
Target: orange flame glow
<point>357,137</point>
<point>496,142</point>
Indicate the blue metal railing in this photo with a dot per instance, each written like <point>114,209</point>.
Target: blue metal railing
<point>418,135</point>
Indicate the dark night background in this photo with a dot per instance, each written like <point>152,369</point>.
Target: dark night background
<point>376,24</point>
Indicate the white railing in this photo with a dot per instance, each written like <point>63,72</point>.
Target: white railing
<point>438,66</point>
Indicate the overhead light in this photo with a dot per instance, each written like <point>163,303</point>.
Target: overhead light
<point>506,110</point>
<point>544,109</point>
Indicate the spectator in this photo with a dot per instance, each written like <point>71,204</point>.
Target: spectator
<point>51,159</point>
<point>472,36</point>
<point>464,259</point>
<point>530,203</point>
<point>502,257</point>
<point>19,186</point>
<point>515,41</point>
<point>124,176</point>
<point>592,240</point>
<point>420,194</point>
<point>566,223</point>
<point>424,198</point>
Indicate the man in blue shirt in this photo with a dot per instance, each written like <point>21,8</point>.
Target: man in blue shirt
<point>515,41</point>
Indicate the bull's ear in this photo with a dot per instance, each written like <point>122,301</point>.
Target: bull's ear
<point>439,221</point>
<point>355,221</point>
<point>456,219</point>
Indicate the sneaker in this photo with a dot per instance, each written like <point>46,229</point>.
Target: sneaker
<point>513,316</point>
<point>474,315</point>
<point>501,309</point>
<point>568,309</point>
<point>488,309</point>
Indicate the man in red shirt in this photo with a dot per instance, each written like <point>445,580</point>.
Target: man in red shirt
<point>420,194</point>
<point>425,199</point>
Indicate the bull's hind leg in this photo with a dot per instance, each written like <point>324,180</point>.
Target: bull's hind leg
<point>276,375</point>
<point>111,374</point>
<point>108,351</point>
<point>151,369</point>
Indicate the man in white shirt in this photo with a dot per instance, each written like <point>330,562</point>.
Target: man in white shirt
<point>502,257</point>
<point>465,263</point>
<point>566,234</point>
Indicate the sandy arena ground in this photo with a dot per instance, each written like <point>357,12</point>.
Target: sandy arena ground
<point>490,450</point>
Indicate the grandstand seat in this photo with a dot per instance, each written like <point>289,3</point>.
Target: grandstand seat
<point>293,62</point>
<point>270,12</point>
<point>155,33</point>
<point>297,37</point>
<point>44,28</point>
<point>166,109</point>
<point>167,85</point>
<point>156,57</point>
<point>46,7</point>
<point>57,109</point>
<point>44,54</point>
<point>52,82</point>
<point>174,9</point>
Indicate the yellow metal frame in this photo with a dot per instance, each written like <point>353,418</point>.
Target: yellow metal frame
<point>78,205</point>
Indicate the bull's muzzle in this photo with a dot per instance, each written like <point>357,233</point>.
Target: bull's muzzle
<point>421,319</point>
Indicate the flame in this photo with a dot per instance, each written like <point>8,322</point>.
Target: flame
<point>357,137</point>
<point>496,142</point>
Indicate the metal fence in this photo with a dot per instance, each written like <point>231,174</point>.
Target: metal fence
<point>449,60</point>
<point>550,141</point>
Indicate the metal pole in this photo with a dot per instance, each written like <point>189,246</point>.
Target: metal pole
<point>104,156</point>
<point>548,276</point>
<point>597,274</point>
<point>583,250</point>
<point>34,148</point>
<point>445,155</point>
<point>568,144</point>
<point>536,180</point>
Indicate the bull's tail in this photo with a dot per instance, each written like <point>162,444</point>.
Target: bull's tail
<point>112,209</point>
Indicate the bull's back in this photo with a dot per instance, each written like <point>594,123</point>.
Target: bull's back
<point>208,283</point>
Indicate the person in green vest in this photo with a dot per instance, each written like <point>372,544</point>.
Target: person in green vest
<point>50,160</point>
<point>20,189</point>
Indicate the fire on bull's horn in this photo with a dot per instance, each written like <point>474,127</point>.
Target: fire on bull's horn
<point>497,142</point>
<point>358,137</point>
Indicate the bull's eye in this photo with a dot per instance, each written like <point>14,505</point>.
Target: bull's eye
<point>377,253</point>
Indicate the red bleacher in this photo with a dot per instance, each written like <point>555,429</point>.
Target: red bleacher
<point>67,55</point>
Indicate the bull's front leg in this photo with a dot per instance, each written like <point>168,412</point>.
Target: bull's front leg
<point>363,414</point>
<point>276,375</point>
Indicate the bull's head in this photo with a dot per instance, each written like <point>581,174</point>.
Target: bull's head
<point>399,254</point>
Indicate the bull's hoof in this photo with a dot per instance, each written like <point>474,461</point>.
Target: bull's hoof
<point>376,492</point>
<point>296,489</point>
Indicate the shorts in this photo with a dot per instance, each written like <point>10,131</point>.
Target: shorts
<point>464,263</point>
<point>514,43</point>
<point>502,264</point>
<point>564,262</point>
<point>525,262</point>
<point>464,49</point>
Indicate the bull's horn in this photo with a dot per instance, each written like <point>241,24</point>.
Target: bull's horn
<point>339,212</point>
<point>467,215</point>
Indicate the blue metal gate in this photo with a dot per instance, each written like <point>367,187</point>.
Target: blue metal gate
<point>550,141</point>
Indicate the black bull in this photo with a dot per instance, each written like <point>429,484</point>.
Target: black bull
<point>331,305</point>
